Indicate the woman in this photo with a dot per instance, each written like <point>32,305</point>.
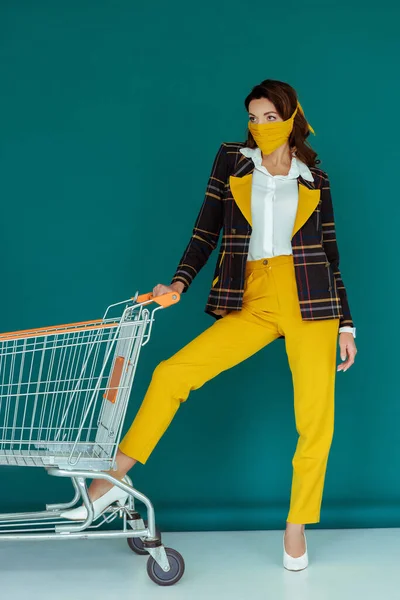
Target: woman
<point>277,276</point>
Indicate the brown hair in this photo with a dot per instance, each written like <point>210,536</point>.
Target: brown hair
<point>284,98</point>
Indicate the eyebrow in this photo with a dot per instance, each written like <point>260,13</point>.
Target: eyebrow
<point>267,113</point>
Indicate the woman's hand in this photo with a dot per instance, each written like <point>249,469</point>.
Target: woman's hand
<point>348,350</point>
<point>160,289</point>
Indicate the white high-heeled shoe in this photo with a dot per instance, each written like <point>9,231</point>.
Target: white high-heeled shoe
<point>115,494</point>
<point>295,564</point>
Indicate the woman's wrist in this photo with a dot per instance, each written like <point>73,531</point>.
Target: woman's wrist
<point>177,286</point>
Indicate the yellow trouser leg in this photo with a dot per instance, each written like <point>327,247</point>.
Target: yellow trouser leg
<point>311,349</point>
<point>226,343</point>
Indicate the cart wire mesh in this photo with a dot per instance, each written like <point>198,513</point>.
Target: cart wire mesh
<point>64,390</point>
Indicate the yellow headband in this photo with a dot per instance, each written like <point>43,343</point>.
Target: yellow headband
<point>309,126</point>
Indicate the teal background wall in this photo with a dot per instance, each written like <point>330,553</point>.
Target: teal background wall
<point>104,106</point>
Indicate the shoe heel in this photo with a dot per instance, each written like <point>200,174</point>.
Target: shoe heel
<point>122,503</point>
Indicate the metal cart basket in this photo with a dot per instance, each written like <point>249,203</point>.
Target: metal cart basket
<point>64,392</point>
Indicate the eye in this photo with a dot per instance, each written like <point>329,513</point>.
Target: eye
<point>271,118</point>
<point>252,119</point>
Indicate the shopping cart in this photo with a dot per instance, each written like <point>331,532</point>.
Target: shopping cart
<point>64,392</point>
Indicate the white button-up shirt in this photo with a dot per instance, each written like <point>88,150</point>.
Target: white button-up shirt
<point>274,201</point>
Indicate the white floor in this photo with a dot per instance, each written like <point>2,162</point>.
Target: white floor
<point>357,564</point>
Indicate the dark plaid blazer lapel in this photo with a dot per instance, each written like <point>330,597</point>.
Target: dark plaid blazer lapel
<point>240,183</point>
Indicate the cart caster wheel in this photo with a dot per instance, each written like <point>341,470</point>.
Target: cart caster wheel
<point>136,544</point>
<point>170,577</point>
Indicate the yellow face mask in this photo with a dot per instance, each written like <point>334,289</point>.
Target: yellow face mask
<point>269,136</point>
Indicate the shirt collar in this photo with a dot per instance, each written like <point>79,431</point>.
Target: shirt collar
<point>297,166</point>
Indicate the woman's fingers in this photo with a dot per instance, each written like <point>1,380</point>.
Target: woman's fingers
<point>345,365</point>
<point>348,350</point>
<point>160,289</point>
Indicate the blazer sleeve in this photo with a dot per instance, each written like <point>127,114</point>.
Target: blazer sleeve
<point>331,249</point>
<point>207,227</point>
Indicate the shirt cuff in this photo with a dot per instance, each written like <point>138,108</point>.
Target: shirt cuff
<point>348,329</point>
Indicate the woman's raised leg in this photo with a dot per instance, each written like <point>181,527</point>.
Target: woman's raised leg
<point>226,343</point>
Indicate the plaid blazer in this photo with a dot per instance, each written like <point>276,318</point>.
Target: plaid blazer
<point>227,206</point>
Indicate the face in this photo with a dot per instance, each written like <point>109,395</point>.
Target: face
<point>263,110</point>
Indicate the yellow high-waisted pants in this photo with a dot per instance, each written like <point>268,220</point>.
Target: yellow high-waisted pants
<point>270,308</point>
